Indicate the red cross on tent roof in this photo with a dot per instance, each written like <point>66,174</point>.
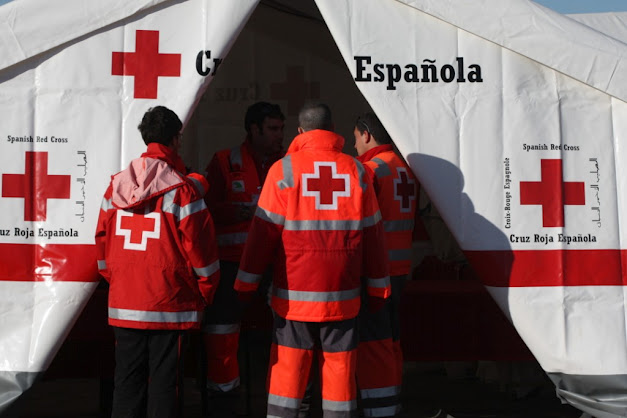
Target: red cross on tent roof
<point>295,90</point>
<point>552,193</point>
<point>146,64</point>
<point>35,186</point>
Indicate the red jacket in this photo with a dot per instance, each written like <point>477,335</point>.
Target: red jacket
<point>396,188</point>
<point>236,181</point>
<point>318,222</point>
<point>156,244</point>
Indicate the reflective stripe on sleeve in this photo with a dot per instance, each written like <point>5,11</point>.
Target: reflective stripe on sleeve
<point>153,316</point>
<point>102,265</point>
<point>179,212</point>
<point>361,174</point>
<point>382,169</point>
<point>381,283</point>
<point>199,186</point>
<point>399,255</point>
<point>208,270</point>
<point>246,277</point>
<point>234,238</point>
<point>269,216</point>
<point>288,174</point>
<point>372,220</point>
<point>399,225</point>
<point>328,405</point>
<point>192,208</point>
<point>106,204</point>
<point>306,296</point>
<point>221,329</point>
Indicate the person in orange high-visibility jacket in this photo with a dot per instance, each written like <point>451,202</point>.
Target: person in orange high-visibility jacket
<point>318,222</point>
<point>236,176</point>
<point>156,247</point>
<point>379,356</point>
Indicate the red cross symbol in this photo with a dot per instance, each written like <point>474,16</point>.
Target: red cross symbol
<point>146,64</point>
<point>326,185</point>
<point>552,193</point>
<point>136,228</point>
<point>404,189</point>
<point>35,186</point>
<point>295,90</point>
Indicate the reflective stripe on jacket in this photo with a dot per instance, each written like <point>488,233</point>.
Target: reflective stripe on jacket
<point>319,224</point>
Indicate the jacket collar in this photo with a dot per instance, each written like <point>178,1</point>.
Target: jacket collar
<point>370,154</point>
<point>317,139</point>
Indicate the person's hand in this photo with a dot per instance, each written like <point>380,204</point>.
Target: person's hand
<point>375,304</point>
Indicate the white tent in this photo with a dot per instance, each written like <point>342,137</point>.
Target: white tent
<point>510,114</point>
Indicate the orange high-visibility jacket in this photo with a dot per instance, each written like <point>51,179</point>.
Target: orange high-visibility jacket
<point>318,223</point>
<point>395,185</point>
<point>156,245</point>
<point>234,181</point>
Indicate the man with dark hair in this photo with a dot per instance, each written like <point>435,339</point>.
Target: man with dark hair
<point>236,176</point>
<point>379,356</point>
<point>156,247</point>
<point>318,224</point>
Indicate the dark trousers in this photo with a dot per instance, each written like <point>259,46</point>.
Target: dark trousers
<point>148,377</point>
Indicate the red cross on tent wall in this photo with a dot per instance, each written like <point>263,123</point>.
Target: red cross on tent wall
<point>295,90</point>
<point>552,193</point>
<point>326,185</point>
<point>404,190</point>
<point>35,186</point>
<point>146,64</point>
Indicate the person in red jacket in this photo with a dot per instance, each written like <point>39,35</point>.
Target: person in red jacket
<point>236,176</point>
<point>318,223</point>
<point>379,356</point>
<point>156,247</point>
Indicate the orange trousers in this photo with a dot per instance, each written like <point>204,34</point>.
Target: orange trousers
<point>293,347</point>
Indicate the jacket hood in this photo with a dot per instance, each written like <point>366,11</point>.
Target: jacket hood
<point>144,178</point>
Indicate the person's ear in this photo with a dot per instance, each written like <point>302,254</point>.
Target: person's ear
<point>300,130</point>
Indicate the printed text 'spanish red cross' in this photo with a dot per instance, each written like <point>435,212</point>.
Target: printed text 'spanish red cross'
<point>295,90</point>
<point>136,228</point>
<point>404,189</point>
<point>35,186</point>
<point>326,185</point>
<point>146,64</point>
<point>552,193</point>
